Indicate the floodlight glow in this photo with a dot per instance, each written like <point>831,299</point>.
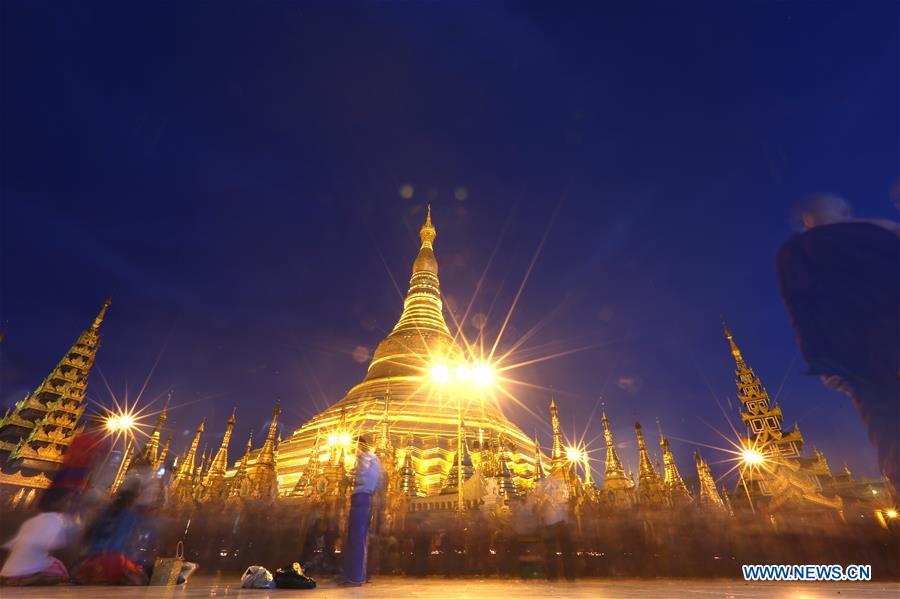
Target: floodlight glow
<point>573,454</point>
<point>891,514</point>
<point>463,373</point>
<point>440,373</point>
<point>483,375</point>
<point>752,457</point>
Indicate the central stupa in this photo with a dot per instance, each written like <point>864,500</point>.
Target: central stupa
<point>398,404</point>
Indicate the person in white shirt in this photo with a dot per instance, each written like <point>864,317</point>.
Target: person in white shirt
<point>367,482</point>
<point>29,561</point>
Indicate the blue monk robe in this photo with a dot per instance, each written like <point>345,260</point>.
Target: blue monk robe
<point>368,480</point>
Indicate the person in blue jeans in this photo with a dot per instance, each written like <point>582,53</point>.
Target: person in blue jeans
<point>367,482</point>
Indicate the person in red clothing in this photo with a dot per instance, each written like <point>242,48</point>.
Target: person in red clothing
<point>74,475</point>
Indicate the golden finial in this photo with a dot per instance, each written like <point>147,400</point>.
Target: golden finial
<point>99,320</point>
<point>427,233</point>
<point>232,420</point>
<point>734,348</point>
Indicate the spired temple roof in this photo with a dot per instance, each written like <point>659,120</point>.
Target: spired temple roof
<point>398,382</point>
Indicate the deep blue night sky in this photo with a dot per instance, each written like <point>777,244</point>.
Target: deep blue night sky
<point>230,172</point>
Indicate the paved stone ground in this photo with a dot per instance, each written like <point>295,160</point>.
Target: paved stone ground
<point>472,588</point>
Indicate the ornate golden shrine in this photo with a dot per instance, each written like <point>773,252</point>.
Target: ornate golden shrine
<point>394,399</point>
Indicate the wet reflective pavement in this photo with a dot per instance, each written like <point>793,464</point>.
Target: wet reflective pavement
<point>475,588</point>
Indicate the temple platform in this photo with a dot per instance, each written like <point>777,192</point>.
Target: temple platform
<point>393,587</point>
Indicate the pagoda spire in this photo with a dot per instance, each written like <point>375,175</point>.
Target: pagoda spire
<point>678,491</point>
<point>264,476</point>
<point>538,461</point>
<point>709,495</point>
<point>651,489</point>
<point>505,485</point>
<point>235,487</point>
<point>186,467</point>
<point>99,320</point>
<point>40,427</point>
<point>618,487</point>
<point>557,456</point>
<point>267,451</point>
<point>183,482</point>
<point>451,485</point>
<point>588,479</point>
<point>311,470</point>
<point>124,465</point>
<point>161,459</point>
<point>383,447</point>
<point>735,352</point>
<point>614,467</point>
<point>151,447</point>
<point>763,422</point>
<point>214,481</point>
<point>220,462</point>
<point>423,309</point>
<point>408,484</point>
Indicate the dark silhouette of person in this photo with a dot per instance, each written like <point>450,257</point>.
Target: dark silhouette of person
<point>840,282</point>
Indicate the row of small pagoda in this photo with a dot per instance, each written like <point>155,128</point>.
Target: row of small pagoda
<point>34,436</point>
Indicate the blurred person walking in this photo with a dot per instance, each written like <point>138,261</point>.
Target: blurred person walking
<point>552,497</point>
<point>111,540</point>
<point>840,282</point>
<point>368,481</point>
<point>73,479</point>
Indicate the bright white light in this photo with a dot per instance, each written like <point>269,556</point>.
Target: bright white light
<point>440,373</point>
<point>483,375</point>
<point>120,422</point>
<point>332,439</point>
<point>752,457</point>
<point>891,514</point>
<point>344,438</point>
<point>463,373</point>
<point>573,454</point>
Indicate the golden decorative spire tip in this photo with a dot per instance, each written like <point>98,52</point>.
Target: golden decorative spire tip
<point>99,320</point>
<point>427,233</point>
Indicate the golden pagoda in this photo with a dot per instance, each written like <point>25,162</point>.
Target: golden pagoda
<point>35,435</point>
<point>708,495</point>
<point>782,475</point>
<point>651,490</point>
<point>213,486</point>
<point>183,483</point>
<point>675,487</point>
<point>618,487</point>
<point>151,454</point>
<point>424,417</point>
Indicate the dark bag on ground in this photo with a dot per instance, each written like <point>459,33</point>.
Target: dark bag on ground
<point>292,577</point>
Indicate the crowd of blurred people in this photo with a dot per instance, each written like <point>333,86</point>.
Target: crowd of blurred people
<point>84,534</point>
<point>541,536</point>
